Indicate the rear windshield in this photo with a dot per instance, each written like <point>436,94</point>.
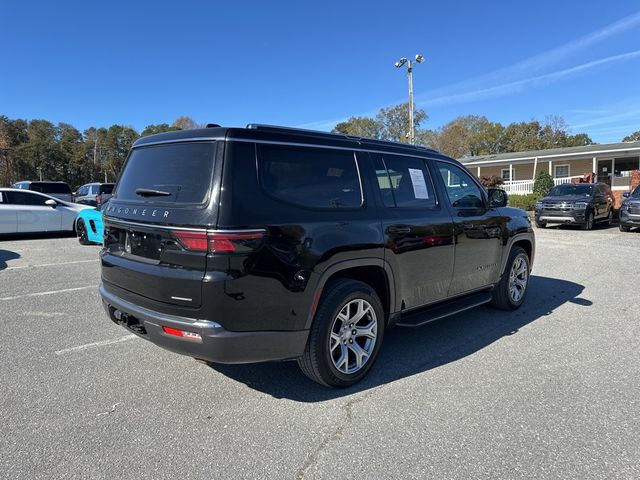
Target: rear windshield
<point>570,189</point>
<point>178,173</point>
<point>107,188</point>
<point>50,187</point>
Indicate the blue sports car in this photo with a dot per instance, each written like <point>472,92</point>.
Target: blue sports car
<point>89,226</point>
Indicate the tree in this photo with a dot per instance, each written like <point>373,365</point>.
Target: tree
<point>542,184</point>
<point>395,122</point>
<point>117,143</point>
<point>158,128</point>
<point>634,137</point>
<point>360,127</point>
<point>185,123</point>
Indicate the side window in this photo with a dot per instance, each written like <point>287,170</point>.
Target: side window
<point>94,189</point>
<point>461,189</point>
<point>405,182</point>
<point>25,198</point>
<point>310,177</point>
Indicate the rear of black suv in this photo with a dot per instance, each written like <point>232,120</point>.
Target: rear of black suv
<point>216,272</point>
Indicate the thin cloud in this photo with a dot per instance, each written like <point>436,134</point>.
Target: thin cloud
<point>509,79</point>
<point>520,85</point>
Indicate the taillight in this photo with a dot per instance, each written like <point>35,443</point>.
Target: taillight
<point>218,242</point>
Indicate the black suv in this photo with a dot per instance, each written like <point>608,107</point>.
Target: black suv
<point>630,210</point>
<point>581,204</point>
<point>238,245</point>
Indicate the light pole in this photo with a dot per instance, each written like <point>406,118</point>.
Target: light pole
<point>399,64</point>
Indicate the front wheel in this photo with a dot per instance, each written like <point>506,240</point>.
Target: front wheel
<point>509,293</point>
<point>624,228</point>
<point>540,224</point>
<point>345,336</point>
<point>588,221</point>
<point>81,231</point>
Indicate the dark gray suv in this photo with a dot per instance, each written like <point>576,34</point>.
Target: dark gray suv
<point>630,210</point>
<point>94,194</point>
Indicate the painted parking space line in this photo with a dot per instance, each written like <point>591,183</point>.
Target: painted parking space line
<point>52,292</point>
<point>95,344</point>
<point>51,264</point>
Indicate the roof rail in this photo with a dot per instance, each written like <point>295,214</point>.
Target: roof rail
<point>276,128</point>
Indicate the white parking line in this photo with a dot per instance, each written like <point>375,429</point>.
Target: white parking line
<point>51,264</point>
<point>95,344</point>
<point>52,292</point>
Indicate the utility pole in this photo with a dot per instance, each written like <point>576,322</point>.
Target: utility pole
<point>399,64</point>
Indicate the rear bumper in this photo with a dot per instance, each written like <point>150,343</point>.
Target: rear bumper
<point>217,344</point>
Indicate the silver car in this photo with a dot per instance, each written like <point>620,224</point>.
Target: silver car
<point>23,211</point>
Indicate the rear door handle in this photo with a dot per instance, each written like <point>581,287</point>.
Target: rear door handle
<point>399,229</point>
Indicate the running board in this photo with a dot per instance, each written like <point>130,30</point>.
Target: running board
<point>441,310</point>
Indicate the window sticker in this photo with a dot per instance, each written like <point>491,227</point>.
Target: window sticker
<point>419,185</point>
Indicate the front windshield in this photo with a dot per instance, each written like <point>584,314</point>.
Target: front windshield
<point>636,192</point>
<point>571,189</point>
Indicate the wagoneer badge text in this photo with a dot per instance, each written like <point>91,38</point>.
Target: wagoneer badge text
<point>143,212</point>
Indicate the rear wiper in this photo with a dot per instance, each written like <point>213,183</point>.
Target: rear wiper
<point>149,192</point>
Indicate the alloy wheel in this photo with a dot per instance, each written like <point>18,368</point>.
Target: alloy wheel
<point>353,336</point>
<point>518,278</point>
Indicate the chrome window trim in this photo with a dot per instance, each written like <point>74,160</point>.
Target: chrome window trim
<point>356,148</point>
<point>169,227</point>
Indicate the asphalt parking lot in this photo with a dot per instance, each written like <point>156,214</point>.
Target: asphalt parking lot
<point>549,391</point>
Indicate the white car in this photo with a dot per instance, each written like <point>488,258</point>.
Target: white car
<point>23,211</point>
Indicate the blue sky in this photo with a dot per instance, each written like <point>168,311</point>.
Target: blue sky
<point>313,64</point>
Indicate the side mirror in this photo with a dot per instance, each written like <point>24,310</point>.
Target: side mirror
<point>51,203</point>
<point>497,198</point>
<point>626,194</point>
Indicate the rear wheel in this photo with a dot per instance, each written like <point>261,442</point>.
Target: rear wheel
<point>588,220</point>
<point>346,334</point>
<point>510,292</point>
<point>81,231</point>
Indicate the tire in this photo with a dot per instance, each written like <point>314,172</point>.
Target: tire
<point>328,361</point>
<point>624,228</point>
<point>540,224</point>
<point>609,220</point>
<point>588,221</point>
<point>81,232</point>
<point>503,296</point>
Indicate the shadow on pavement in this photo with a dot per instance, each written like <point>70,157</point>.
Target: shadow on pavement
<point>5,256</point>
<point>410,351</point>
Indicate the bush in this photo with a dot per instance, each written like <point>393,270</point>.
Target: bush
<point>542,184</point>
<point>491,181</point>
<point>525,202</point>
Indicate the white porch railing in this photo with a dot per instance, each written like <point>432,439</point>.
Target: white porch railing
<point>523,187</point>
<point>518,187</point>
